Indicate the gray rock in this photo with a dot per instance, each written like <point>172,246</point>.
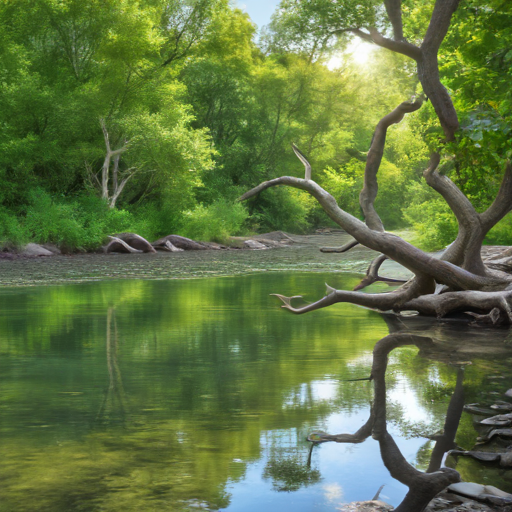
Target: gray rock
<point>36,250</point>
<point>252,244</point>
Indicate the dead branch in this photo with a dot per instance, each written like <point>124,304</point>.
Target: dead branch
<point>105,170</point>
<point>403,47</point>
<point>503,202</point>
<point>375,154</point>
<point>136,241</point>
<point>343,248</point>
<point>394,11</point>
<point>391,245</point>
<point>453,302</point>
<point>304,160</point>
<point>372,274</point>
<point>118,245</point>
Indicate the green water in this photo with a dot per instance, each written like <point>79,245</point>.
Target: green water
<point>198,394</point>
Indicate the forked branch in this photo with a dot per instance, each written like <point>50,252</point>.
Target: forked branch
<point>391,245</point>
<point>375,154</point>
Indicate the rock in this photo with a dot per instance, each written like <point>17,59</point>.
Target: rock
<point>180,242</point>
<point>502,406</point>
<point>133,240</point>
<point>52,248</point>
<point>36,250</point>
<point>508,393</point>
<point>482,492</point>
<point>502,432</point>
<point>253,244</point>
<point>506,459</point>
<point>482,456</point>
<point>477,409</point>
<point>501,420</point>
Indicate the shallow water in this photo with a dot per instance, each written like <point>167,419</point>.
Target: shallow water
<point>198,394</point>
<point>304,255</point>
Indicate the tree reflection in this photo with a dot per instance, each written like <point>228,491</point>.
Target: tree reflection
<point>113,406</point>
<point>423,487</point>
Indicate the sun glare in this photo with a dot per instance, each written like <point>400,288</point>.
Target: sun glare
<point>357,51</point>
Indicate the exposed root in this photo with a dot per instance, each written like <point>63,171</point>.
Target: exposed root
<point>344,248</point>
<point>372,274</point>
<point>481,303</point>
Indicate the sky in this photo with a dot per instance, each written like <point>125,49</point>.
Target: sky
<point>259,10</point>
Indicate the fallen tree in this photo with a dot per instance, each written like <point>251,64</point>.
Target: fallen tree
<point>460,281</point>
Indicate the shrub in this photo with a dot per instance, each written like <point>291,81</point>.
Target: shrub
<point>12,231</point>
<point>215,222</point>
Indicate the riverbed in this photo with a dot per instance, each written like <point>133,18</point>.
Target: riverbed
<point>175,382</point>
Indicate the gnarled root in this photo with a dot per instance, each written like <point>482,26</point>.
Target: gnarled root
<point>481,303</point>
<point>372,274</point>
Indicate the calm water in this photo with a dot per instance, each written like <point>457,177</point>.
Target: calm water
<point>198,394</point>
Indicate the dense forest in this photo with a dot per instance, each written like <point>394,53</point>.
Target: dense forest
<point>154,116</point>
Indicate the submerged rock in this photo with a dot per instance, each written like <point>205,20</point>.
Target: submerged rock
<point>482,492</point>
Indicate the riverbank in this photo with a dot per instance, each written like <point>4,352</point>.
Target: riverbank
<point>303,255</point>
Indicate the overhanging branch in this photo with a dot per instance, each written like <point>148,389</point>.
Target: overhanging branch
<point>393,246</point>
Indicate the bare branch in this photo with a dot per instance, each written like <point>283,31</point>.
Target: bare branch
<point>374,159</point>
<point>377,301</point>
<point>453,302</point>
<point>439,24</point>
<point>114,244</point>
<point>119,189</point>
<point>304,160</point>
<point>403,47</point>
<point>372,274</point>
<point>393,246</point>
<point>394,10</point>
<point>343,248</point>
<point>503,202</point>
<point>465,250</point>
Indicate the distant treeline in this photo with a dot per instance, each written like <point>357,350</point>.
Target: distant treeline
<point>154,116</point>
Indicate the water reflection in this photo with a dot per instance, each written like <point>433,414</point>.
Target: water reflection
<point>113,407</point>
<point>423,487</point>
<point>175,395</point>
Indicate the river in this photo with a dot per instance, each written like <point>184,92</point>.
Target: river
<point>175,382</point>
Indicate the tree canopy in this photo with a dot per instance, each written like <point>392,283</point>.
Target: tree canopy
<point>153,116</point>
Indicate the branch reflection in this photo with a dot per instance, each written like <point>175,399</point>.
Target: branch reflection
<point>113,407</point>
<point>423,487</point>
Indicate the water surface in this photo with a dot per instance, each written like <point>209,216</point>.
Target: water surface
<point>198,394</point>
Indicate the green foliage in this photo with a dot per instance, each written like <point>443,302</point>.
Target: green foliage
<point>285,209</point>
<point>433,221</point>
<point>215,222</point>
<point>290,474</point>
<point>345,185</point>
<point>78,224</point>
<point>12,231</point>
<point>501,234</point>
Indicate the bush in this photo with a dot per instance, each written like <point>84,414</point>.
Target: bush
<point>434,223</point>
<point>501,234</point>
<point>78,224</point>
<point>215,222</point>
<point>12,231</point>
<point>283,208</point>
